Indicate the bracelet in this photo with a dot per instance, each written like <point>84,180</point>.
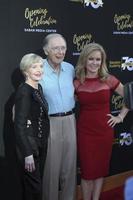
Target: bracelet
<point>120,117</point>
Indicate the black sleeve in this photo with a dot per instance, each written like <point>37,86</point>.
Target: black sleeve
<point>22,110</point>
<point>128,95</point>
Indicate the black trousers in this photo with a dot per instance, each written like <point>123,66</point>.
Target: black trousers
<point>32,181</point>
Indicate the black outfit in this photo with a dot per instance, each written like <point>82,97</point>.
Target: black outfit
<point>128,95</point>
<point>31,130</point>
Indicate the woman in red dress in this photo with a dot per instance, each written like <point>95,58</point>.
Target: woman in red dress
<point>94,86</point>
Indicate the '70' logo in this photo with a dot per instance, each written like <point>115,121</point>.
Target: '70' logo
<point>94,3</point>
<point>126,139</point>
<point>127,64</point>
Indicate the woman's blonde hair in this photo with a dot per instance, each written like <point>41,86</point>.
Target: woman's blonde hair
<point>80,67</point>
<point>27,60</point>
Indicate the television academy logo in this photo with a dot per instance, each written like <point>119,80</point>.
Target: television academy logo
<point>127,63</point>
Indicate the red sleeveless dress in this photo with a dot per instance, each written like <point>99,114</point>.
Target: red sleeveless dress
<point>94,136</point>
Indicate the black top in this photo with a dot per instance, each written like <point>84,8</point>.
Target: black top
<point>31,119</point>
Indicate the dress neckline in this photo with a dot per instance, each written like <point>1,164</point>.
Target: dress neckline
<point>92,79</point>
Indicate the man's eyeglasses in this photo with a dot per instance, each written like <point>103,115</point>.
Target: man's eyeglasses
<point>58,49</point>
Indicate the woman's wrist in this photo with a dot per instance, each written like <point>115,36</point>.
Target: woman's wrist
<point>120,116</point>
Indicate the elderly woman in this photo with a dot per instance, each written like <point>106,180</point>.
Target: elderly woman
<point>31,124</point>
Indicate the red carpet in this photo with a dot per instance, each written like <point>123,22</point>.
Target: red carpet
<point>115,194</point>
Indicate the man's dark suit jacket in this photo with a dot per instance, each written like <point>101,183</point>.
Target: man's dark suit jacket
<point>31,120</point>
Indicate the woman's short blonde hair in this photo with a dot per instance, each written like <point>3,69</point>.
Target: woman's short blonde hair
<point>81,64</point>
<point>29,59</point>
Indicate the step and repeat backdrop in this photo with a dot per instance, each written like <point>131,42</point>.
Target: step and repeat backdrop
<point>25,23</point>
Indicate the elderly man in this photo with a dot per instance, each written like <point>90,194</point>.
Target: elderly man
<point>60,169</point>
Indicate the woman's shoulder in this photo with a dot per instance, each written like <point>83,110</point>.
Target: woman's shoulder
<point>24,89</point>
<point>112,78</point>
<point>76,83</point>
<point>112,81</point>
